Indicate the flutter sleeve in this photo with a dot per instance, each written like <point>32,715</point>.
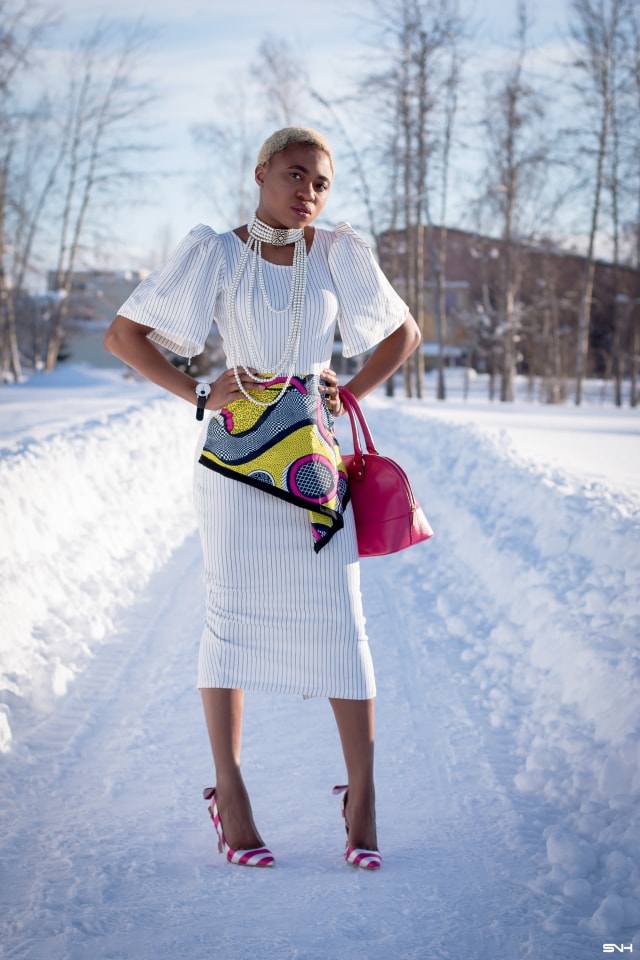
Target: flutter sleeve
<point>178,300</point>
<point>369,309</point>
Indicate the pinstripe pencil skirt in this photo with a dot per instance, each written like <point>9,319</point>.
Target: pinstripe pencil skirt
<point>279,617</point>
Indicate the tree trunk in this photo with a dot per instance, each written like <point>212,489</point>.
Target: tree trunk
<point>438,257</point>
<point>420,312</point>
<point>635,358</point>
<point>584,323</point>
<point>600,38</point>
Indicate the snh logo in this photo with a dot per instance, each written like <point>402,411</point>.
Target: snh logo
<point>617,948</point>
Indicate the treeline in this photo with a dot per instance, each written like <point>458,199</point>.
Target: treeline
<point>72,140</point>
<point>546,155</point>
<point>541,158</point>
<point>538,162</point>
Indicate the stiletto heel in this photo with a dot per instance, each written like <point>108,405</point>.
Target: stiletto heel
<point>356,856</point>
<point>259,857</point>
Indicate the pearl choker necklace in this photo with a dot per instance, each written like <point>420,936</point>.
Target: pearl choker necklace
<point>259,233</point>
<point>277,236</point>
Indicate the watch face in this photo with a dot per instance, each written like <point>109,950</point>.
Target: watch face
<point>203,389</point>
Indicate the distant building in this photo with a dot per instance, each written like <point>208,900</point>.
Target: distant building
<point>548,296</point>
<point>93,303</point>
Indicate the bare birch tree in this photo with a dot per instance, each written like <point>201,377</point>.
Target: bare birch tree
<point>228,146</point>
<point>283,81</point>
<point>624,191</point>
<point>278,83</point>
<point>438,250</point>
<point>596,30</point>
<point>415,107</point>
<point>37,161</point>
<point>634,304</point>
<point>21,27</point>
<point>517,156</point>
<point>614,186</point>
<point>106,107</point>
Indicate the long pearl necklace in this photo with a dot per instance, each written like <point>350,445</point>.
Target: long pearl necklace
<point>259,233</point>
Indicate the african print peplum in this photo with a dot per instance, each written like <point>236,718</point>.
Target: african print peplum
<point>288,450</point>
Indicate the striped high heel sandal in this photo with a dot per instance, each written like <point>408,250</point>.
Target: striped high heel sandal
<point>259,857</point>
<point>356,856</point>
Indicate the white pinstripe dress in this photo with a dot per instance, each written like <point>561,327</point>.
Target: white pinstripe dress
<point>279,616</point>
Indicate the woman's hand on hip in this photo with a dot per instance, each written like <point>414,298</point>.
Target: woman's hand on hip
<point>331,391</point>
<point>225,389</point>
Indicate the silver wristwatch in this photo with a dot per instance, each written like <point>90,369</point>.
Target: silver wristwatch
<point>202,392</point>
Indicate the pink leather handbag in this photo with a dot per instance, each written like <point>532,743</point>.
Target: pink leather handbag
<point>388,516</point>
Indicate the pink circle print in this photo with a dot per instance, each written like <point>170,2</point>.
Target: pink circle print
<point>313,478</point>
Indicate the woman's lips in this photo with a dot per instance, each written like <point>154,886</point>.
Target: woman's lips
<point>301,211</point>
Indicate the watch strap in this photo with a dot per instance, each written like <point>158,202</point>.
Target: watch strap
<point>200,407</point>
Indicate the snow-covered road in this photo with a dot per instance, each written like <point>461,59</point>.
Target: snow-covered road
<point>508,722</point>
<point>109,851</point>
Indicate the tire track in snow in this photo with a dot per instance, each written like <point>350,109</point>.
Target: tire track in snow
<point>73,799</point>
<point>112,854</point>
<point>469,843</point>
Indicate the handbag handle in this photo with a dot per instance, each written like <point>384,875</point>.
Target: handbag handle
<point>356,416</point>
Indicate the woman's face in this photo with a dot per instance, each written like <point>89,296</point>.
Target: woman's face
<point>294,186</point>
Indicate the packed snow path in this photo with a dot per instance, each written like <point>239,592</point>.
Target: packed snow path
<point>506,765</point>
<point>110,852</point>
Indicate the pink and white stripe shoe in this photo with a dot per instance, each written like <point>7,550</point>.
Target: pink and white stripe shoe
<point>356,856</point>
<point>259,857</point>
<point>367,859</point>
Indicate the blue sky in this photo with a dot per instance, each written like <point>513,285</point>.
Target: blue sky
<point>201,49</point>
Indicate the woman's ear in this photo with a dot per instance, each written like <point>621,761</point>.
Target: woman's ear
<point>260,172</point>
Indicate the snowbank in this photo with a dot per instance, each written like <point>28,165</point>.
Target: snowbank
<point>86,516</point>
<point>538,580</point>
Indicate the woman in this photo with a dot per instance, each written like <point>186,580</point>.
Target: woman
<point>283,596</point>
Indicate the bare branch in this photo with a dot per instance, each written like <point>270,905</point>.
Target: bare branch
<point>283,79</point>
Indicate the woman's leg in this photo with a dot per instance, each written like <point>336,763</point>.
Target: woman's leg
<point>223,711</point>
<point>355,719</point>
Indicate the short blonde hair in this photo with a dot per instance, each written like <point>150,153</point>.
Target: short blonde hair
<point>281,139</point>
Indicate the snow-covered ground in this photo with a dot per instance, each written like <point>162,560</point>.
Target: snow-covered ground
<point>508,710</point>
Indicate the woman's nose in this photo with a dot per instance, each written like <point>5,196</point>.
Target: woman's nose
<point>306,191</point>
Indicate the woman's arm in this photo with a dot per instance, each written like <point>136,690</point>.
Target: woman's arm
<point>386,358</point>
<point>128,340</point>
